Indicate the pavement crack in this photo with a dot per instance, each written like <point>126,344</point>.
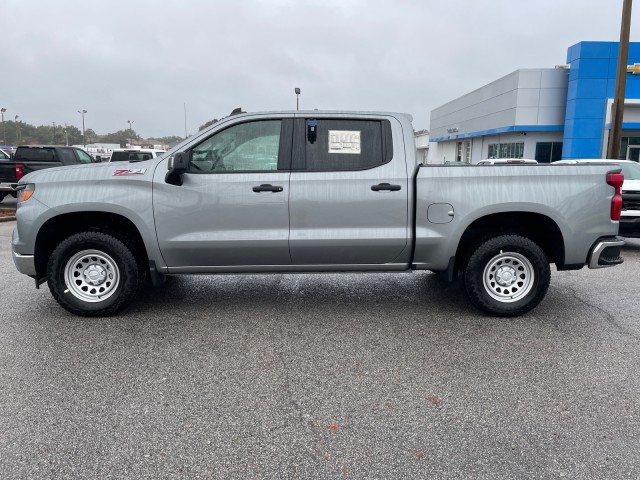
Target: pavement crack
<point>608,316</point>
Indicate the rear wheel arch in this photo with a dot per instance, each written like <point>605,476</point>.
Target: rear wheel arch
<point>539,228</point>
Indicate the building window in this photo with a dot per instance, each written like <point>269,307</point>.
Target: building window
<point>629,148</point>
<point>506,150</point>
<point>463,151</point>
<point>547,152</point>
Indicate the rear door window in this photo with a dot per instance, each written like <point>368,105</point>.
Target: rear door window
<point>338,144</point>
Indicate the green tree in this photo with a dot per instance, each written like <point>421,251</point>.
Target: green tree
<point>121,137</point>
<point>171,140</point>
<point>208,124</point>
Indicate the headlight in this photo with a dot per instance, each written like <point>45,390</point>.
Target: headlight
<point>25,191</point>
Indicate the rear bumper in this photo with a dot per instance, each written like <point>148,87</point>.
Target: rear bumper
<point>7,187</point>
<point>606,252</point>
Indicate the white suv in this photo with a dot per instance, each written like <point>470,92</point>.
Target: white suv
<point>630,218</point>
<point>134,154</point>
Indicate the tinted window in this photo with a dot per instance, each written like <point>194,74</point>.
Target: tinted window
<point>3,156</point>
<point>342,144</point>
<point>36,154</point>
<point>249,146</point>
<point>130,156</point>
<point>68,158</point>
<point>547,152</point>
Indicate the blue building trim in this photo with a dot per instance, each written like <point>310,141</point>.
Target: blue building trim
<point>495,131</point>
<point>592,80</point>
<point>626,126</point>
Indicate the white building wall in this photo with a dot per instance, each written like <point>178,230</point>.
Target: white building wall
<point>527,105</point>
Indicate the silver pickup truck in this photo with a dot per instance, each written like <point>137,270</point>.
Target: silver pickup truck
<point>312,192</point>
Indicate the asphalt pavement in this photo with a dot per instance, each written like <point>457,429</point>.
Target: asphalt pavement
<point>322,376</point>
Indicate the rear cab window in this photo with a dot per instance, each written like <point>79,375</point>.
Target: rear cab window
<point>132,156</point>
<point>36,154</point>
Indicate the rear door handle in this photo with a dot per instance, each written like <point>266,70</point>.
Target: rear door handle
<point>265,187</point>
<point>385,186</point>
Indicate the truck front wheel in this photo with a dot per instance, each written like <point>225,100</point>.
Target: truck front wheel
<point>507,276</point>
<point>92,274</point>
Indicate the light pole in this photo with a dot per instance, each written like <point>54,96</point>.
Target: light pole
<point>4,135</point>
<point>54,132</point>
<point>617,109</point>
<point>297,90</point>
<point>17,130</point>
<point>84,140</point>
<point>130,131</point>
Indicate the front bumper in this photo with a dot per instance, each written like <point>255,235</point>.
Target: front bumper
<point>606,252</point>
<point>25,264</point>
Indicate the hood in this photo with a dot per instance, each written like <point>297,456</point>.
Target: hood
<point>631,185</point>
<point>92,172</point>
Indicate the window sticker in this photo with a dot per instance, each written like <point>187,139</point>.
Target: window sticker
<point>344,141</point>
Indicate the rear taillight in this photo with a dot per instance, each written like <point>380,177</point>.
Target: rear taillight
<point>19,172</point>
<point>616,180</point>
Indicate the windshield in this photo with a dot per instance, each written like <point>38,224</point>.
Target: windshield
<point>631,171</point>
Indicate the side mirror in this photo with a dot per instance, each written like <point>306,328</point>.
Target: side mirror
<point>177,165</point>
<point>98,159</point>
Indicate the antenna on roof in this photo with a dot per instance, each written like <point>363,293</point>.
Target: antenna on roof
<point>236,111</point>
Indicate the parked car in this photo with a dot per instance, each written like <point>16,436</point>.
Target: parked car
<point>29,158</point>
<point>134,155</point>
<point>630,217</point>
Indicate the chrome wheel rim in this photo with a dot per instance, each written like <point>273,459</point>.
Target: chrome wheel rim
<point>91,276</point>
<point>508,277</point>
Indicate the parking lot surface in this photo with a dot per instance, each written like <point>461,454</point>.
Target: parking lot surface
<point>322,376</point>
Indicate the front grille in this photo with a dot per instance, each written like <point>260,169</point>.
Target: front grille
<point>630,200</point>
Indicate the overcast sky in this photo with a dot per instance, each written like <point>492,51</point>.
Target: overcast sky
<point>144,60</point>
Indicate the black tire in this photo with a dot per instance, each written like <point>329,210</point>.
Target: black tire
<point>93,274</point>
<point>507,276</point>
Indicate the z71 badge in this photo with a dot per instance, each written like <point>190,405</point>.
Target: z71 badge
<point>123,172</point>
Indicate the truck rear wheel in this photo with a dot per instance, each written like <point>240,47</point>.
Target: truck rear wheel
<point>507,276</point>
<point>93,274</point>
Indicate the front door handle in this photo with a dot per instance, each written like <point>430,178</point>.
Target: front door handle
<point>385,186</point>
<point>265,187</point>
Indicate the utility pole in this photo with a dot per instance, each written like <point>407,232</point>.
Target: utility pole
<point>17,130</point>
<point>617,110</point>
<point>54,132</point>
<point>4,135</point>
<point>130,132</point>
<point>84,140</point>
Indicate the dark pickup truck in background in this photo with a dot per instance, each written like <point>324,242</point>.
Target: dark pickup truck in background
<point>30,158</point>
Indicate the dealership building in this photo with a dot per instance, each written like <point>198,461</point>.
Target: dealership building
<point>547,113</point>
